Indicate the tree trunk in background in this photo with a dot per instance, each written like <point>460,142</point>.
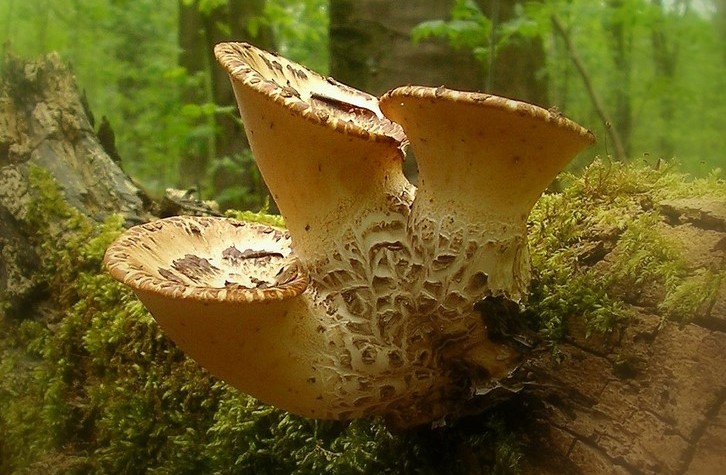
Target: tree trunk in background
<point>517,70</point>
<point>621,42</point>
<point>45,125</point>
<point>194,59</point>
<point>665,60</point>
<point>199,31</point>
<point>371,47</point>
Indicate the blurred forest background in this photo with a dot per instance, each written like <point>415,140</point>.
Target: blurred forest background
<point>647,76</point>
<point>89,384</point>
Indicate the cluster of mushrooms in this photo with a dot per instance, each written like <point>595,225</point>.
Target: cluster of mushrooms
<point>365,304</point>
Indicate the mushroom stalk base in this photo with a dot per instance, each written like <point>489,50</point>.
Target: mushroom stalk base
<point>385,327</point>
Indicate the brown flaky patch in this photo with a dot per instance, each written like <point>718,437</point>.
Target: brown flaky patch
<point>478,99</point>
<point>207,259</point>
<point>319,99</point>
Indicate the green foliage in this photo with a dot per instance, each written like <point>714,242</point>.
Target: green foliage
<point>247,190</point>
<point>468,28</point>
<point>126,57</point>
<point>690,294</point>
<point>301,30</point>
<point>670,72</point>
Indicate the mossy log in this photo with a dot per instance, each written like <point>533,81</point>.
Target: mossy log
<point>640,395</point>
<point>649,398</point>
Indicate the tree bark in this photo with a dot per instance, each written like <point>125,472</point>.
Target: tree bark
<point>44,123</point>
<point>648,400</point>
<point>199,31</point>
<point>371,47</point>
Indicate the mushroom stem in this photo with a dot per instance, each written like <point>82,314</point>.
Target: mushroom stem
<point>483,162</point>
<point>325,151</point>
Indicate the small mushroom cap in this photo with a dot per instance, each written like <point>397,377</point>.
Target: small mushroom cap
<point>319,99</point>
<point>207,259</point>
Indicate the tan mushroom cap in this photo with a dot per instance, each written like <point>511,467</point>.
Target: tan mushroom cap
<point>320,100</point>
<point>326,152</point>
<point>526,112</point>
<point>207,259</point>
<point>506,151</point>
<point>231,296</point>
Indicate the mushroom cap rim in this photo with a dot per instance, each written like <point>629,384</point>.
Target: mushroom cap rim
<point>116,261</point>
<point>390,132</point>
<point>482,99</point>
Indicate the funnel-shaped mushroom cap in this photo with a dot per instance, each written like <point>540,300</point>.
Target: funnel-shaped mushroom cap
<point>208,260</point>
<point>485,152</point>
<point>483,162</point>
<point>226,292</point>
<point>306,93</point>
<point>324,149</point>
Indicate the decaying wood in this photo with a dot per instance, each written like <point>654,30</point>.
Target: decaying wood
<point>44,123</point>
<point>649,401</point>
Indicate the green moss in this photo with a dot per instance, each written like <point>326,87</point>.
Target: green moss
<point>90,384</point>
<point>609,204</point>
<point>259,217</point>
<point>688,296</point>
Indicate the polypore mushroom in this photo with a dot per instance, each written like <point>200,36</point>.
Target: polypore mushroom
<point>483,162</point>
<point>324,149</point>
<point>224,290</point>
<point>368,307</point>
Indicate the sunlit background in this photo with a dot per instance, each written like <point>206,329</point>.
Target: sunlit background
<point>647,76</point>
